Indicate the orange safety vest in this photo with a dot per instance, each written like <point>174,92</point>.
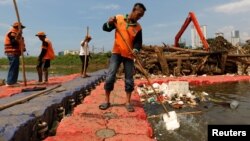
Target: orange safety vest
<point>50,52</point>
<point>9,48</point>
<point>129,33</point>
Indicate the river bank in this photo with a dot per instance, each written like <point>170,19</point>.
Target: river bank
<point>55,70</point>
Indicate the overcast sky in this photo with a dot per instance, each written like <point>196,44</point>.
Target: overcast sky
<point>65,21</point>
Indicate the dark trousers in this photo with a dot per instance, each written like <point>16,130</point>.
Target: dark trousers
<point>82,57</point>
<point>13,69</point>
<point>115,61</point>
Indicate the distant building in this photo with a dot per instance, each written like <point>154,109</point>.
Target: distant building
<point>182,43</point>
<point>235,37</point>
<point>219,34</point>
<point>195,38</point>
<point>61,53</point>
<point>66,52</point>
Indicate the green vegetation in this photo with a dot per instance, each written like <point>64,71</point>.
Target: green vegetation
<point>67,64</point>
<point>3,61</point>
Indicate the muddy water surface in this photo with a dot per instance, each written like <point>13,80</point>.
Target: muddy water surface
<point>193,127</point>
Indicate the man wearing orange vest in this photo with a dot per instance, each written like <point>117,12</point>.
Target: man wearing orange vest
<point>47,54</point>
<point>13,43</point>
<point>132,33</point>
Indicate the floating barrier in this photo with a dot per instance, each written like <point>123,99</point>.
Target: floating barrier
<point>39,117</point>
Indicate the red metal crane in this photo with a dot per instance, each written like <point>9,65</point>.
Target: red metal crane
<point>191,17</point>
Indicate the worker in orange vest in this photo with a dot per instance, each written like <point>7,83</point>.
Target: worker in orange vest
<point>46,55</point>
<point>13,43</point>
<point>132,33</point>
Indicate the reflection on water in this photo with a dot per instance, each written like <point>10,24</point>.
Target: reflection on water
<point>31,73</point>
<point>194,126</point>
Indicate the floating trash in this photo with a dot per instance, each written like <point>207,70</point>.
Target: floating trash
<point>234,104</point>
<point>175,93</point>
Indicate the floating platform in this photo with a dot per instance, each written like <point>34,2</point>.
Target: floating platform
<point>70,111</point>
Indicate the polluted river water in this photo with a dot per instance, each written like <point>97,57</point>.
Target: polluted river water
<point>193,126</point>
<point>229,104</point>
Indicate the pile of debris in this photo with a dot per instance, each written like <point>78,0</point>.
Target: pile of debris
<point>222,58</point>
<point>220,44</point>
<point>246,47</point>
<point>178,95</point>
<point>175,93</point>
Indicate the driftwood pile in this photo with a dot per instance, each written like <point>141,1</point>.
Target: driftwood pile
<point>222,58</point>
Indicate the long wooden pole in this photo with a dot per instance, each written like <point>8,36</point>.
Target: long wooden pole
<point>21,48</point>
<point>27,98</point>
<point>143,70</point>
<point>183,113</point>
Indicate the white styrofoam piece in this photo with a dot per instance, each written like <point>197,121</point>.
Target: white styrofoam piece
<point>179,86</point>
<point>171,120</point>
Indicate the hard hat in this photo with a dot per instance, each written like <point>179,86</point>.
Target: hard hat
<point>16,24</point>
<point>40,34</point>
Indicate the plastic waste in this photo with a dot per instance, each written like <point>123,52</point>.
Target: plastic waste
<point>156,85</point>
<point>234,104</point>
<point>139,91</point>
<point>151,99</point>
<point>171,121</point>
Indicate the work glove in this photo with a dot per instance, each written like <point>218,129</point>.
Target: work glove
<point>112,20</point>
<point>135,51</point>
